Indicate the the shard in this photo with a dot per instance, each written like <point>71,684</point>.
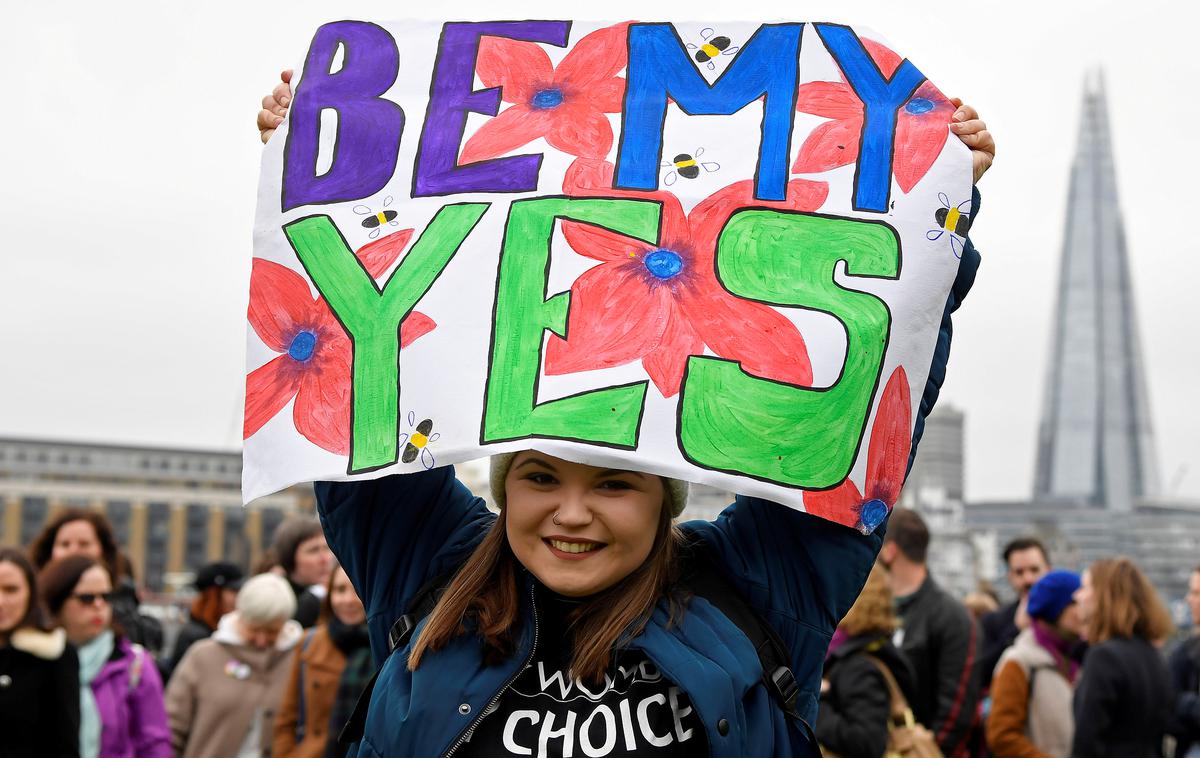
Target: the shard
<point>1095,443</point>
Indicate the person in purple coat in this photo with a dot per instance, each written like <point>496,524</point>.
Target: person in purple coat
<point>120,692</point>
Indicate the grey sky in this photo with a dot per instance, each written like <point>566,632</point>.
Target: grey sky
<point>130,162</point>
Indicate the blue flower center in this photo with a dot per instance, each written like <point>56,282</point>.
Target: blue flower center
<point>663,264</point>
<point>919,105</point>
<point>548,98</point>
<point>872,514</point>
<point>303,345</point>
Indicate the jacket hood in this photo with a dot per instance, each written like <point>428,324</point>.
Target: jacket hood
<point>45,645</point>
<point>881,647</point>
<point>227,633</point>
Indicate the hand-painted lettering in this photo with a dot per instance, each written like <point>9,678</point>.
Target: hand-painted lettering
<point>881,99</point>
<point>610,416</point>
<point>452,97</point>
<point>786,434</point>
<point>372,316</point>
<point>660,68</point>
<point>368,127</point>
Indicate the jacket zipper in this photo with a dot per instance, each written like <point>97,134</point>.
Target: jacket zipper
<point>462,736</point>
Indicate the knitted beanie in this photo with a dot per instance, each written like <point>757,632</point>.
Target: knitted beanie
<point>677,489</point>
<point>1052,594</point>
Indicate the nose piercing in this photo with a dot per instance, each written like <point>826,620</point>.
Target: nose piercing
<point>554,518</point>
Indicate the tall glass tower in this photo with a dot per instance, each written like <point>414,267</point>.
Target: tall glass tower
<point>1095,442</point>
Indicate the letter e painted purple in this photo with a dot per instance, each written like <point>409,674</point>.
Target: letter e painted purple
<point>369,127</point>
<point>451,98</point>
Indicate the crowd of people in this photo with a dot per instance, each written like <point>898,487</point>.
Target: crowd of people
<point>273,664</point>
<point>269,665</point>
<point>1073,666</point>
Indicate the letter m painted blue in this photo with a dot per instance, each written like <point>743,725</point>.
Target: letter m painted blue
<point>660,68</point>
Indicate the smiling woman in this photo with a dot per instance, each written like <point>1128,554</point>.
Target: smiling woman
<point>583,532</point>
<point>571,623</point>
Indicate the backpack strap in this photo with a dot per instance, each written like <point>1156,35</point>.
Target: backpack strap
<point>421,605</point>
<point>902,714</point>
<point>703,579</point>
<point>301,706</point>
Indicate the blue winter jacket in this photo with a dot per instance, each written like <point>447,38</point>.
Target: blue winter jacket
<point>799,572</point>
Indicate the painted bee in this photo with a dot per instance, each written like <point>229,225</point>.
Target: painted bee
<point>951,219</point>
<point>711,47</point>
<point>375,220</point>
<point>418,442</point>
<point>687,166</point>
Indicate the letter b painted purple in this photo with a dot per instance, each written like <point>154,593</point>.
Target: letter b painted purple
<point>368,127</point>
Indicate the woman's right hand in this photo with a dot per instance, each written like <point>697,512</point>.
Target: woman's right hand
<point>275,106</point>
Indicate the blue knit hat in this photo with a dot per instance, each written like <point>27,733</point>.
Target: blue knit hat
<point>1052,594</point>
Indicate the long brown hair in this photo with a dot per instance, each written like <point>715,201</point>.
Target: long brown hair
<point>1126,604</point>
<point>872,613</point>
<point>485,591</point>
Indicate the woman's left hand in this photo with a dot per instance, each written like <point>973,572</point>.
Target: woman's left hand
<point>973,132</point>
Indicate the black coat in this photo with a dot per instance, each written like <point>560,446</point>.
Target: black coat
<point>941,641</point>
<point>854,715</point>
<point>1184,668</point>
<point>308,605</point>
<point>1122,701</point>
<point>39,698</point>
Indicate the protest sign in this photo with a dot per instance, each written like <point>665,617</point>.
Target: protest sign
<point>718,252</point>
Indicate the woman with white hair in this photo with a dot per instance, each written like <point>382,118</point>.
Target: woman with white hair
<point>222,699</point>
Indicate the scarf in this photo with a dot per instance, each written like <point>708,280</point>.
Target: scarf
<point>354,644</point>
<point>1059,649</point>
<point>839,638</point>
<point>348,638</point>
<point>92,657</point>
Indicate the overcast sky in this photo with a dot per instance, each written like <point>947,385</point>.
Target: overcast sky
<point>130,161</point>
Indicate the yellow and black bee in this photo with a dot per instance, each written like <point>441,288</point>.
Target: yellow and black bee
<point>418,442</point>
<point>711,47</point>
<point>686,165</point>
<point>951,218</point>
<point>376,219</point>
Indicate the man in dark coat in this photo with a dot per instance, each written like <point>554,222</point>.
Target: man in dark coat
<point>1027,561</point>
<point>937,636</point>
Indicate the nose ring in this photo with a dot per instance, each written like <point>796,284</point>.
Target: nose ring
<point>554,518</point>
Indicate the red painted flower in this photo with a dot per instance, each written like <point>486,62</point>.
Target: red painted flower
<point>920,126</point>
<point>887,462</point>
<point>314,366</point>
<point>662,303</point>
<point>566,105</point>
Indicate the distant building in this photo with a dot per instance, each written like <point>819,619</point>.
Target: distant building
<point>958,557</point>
<point>173,510</point>
<point>1095,492</point>
<point>1095,441</point>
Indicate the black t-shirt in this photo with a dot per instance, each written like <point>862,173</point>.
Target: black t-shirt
<point>546,713</point>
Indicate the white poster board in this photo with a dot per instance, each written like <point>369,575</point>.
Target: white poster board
<point>718,253</point>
